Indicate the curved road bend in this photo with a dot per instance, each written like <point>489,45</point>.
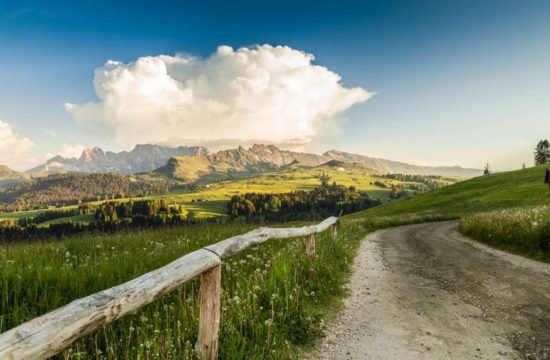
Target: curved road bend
<point>426,292</point>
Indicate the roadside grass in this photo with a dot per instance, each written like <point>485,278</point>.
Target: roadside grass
<point>520,230</point>
<point>274,299</point>
<point>498,209</point>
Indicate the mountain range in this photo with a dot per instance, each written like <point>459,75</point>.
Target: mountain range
<point>142,158</point>
<point>196,162</point>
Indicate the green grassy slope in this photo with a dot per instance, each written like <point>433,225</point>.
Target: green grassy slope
<point>520,188</point>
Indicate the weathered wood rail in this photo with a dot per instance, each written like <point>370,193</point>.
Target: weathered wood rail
<point>53,332</point>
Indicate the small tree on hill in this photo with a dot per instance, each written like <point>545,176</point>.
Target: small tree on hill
<point>325,178</point>
<point>487,170</point>
<point>542,152</point>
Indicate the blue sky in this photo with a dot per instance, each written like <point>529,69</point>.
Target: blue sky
<point>455,82</point>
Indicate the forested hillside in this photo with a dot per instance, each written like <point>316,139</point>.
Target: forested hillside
<point>67,189</point>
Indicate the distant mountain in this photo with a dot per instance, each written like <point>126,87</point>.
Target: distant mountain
<point>235,163</point>
<point>395,167</point>
<point>261,158</point>
<point>196,162</point>
<point>9,177</point>
<point>142,158</point>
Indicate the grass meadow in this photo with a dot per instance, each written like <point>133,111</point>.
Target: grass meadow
<point>274,300</point>
<point>519,230</point>
<point>211,200</point>
<point>514,189</point>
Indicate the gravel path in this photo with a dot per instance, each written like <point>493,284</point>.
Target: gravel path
<point>426,292</point>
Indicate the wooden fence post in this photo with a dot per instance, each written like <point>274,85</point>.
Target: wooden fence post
<point>310,245</point>
<point>334,231</point>
<point>209,322</point>
<point>336,226</point>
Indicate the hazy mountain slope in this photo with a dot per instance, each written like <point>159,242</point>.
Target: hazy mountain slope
<point>395,167</point>
<point>9,177</point>
<point>142,158</point>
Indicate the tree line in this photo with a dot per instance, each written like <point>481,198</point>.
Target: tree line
<point>10,231</point>
<point>327,200</point>
<point>110,216</point>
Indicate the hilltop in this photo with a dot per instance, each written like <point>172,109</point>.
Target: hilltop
<point>69,189</point>
<point>9,177</point>
<point>519,188</point>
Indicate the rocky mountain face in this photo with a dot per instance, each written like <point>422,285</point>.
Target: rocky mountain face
<point>236,162</point>
<point>142,158</point>
<point>194,162</point>
<point>395,167</point>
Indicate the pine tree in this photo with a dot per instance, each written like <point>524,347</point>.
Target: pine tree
<point>542,152</point>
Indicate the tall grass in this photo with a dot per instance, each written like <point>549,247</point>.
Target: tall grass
<point>525,231</point>
<point>274,296</point>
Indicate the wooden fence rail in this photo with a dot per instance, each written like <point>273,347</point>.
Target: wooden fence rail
<point>53,332</point>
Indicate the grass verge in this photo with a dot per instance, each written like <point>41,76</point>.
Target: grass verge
<point>524,231</point>
<point>274,297</point>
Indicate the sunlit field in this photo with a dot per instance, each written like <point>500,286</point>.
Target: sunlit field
<point>211,200</point>
<point>274,300</point>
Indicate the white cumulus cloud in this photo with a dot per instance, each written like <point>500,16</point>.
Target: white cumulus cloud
<point>14,149</point>
<point>275,94</point>
<point>71,151</point>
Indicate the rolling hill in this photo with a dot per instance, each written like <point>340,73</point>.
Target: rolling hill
<point>520,188</point>
<point>210,199</point>
<point>9,177</point>
<point>69,189</point>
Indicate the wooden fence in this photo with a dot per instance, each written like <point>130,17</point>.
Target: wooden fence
<point>50,334</point>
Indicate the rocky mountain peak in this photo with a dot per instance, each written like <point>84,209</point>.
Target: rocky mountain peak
<point>91,154</point>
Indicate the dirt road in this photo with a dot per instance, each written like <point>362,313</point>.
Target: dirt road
<point>426,292</point>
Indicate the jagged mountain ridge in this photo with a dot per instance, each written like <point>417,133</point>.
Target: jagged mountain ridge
<point>262,158</point>
<point>143,158</point>
<point>194,162</point>
<point>235,162</point>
